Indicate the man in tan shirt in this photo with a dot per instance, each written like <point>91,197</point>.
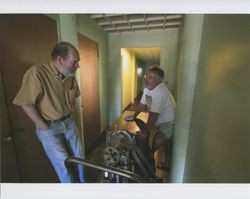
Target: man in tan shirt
<point>47,96</point>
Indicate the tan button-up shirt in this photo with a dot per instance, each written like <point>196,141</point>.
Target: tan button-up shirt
<point>54,97</point>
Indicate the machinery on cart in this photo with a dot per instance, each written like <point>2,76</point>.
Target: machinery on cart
<point>127,158</point>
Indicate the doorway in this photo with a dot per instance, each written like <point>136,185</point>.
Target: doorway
<point>89,72</point>
<point>134,63</point>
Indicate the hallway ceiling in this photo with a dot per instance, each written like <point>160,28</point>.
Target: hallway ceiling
<point>150,55</point>
<point>119,23</point>
<point>131,23</point>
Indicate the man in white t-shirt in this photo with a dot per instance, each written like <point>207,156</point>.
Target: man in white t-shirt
<point>160,104</point>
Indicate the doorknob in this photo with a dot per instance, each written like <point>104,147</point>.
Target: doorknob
<point>6,139</point>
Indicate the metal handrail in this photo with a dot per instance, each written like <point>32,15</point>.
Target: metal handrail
<point>113,170</point>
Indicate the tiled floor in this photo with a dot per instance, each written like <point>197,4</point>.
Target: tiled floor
<point>96,156</point>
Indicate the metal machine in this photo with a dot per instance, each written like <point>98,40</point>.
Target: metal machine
<point>127,158</point>
<point>124,150</point>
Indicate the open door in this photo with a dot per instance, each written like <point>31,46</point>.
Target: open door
<point>24,40</point>
<point>89,72</point>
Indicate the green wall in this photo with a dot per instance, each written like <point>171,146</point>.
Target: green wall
<point>219,149</point>
<point>187,72</point>
<point>167,40</point>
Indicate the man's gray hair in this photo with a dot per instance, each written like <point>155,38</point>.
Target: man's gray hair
<point>61,49</point>
<point>158,71</point>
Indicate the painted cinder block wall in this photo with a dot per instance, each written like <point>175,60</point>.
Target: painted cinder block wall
<point>218,149</point>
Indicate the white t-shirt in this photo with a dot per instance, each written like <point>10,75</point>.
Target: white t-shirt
<point>159,100</point>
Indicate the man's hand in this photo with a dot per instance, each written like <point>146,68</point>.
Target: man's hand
<point>139,108</point>
<point>35,116</point>
<point>42,125</point>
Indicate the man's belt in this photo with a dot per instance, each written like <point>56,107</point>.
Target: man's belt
<point>59,120</point>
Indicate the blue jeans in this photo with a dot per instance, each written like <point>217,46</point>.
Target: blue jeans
<point>60,141</point>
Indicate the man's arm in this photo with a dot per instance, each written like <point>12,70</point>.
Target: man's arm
<point>152,118</point>
<point>139,108</point>
<point>35,116</point>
